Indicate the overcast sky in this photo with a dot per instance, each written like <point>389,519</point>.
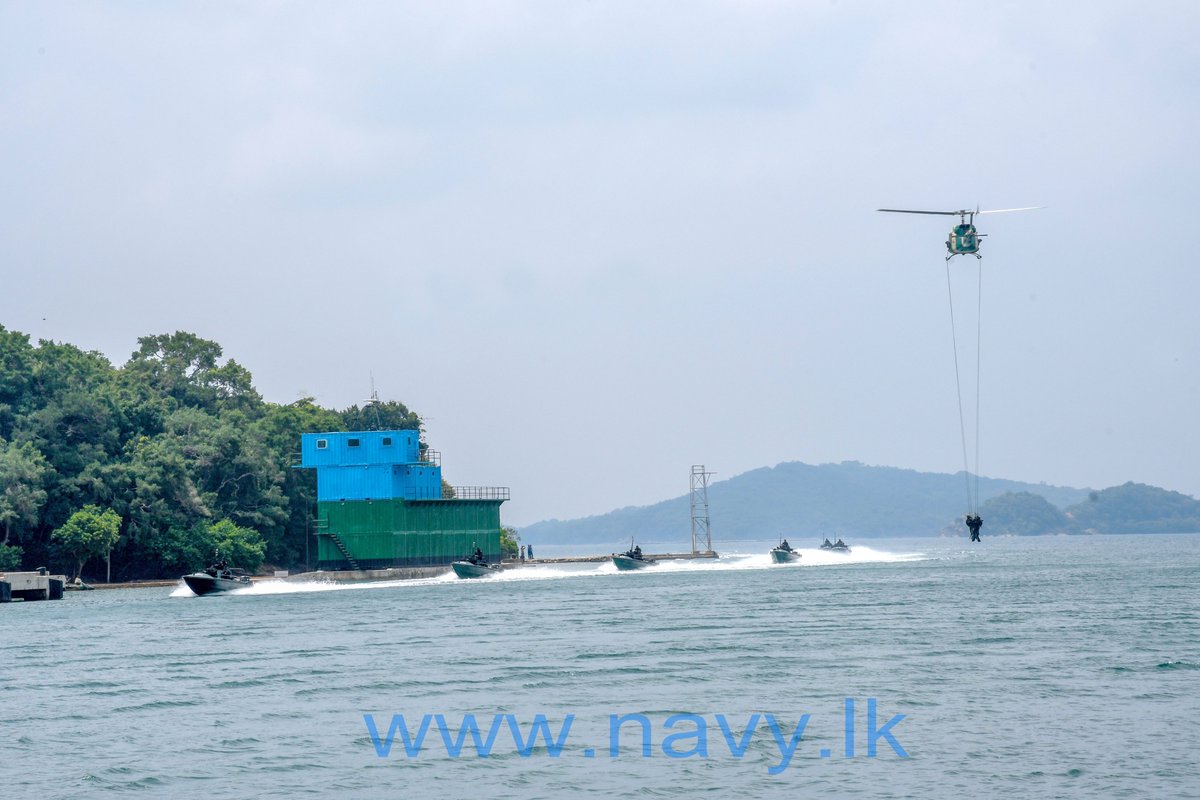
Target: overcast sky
<point>594,243</point>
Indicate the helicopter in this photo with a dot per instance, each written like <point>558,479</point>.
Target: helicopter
<point>964,239</point>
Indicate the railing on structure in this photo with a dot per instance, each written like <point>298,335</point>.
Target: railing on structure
<point>480,492</point>
<point>428,456</point>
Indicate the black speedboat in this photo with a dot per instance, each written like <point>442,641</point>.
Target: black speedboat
<point>838,546</point>
<point>474,566</point>
<point>217,578</point>
<point>631,559</point>
<point>784,553</point>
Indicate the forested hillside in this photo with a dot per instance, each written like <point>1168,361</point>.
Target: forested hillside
<point>804,500</point>
<point>807,502</point>
<point>1129,508</point>
<point>176,442</point>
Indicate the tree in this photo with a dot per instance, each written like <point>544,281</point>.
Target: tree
<point>184,367</point>
<point>381,416</point>
<point>241,547</point>
<point>1022,514</point>
<point>1136,508</point>
<point>174,441</point>
<point>23,473</point>
<point>280,427</point>
<point>10,557</point>
<point>89,533</point>
<point>508,542</point>
<point>16,377</point>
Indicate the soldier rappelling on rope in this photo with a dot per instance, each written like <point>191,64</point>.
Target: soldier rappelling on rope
<point>974,523</point>
<point>964,240</point>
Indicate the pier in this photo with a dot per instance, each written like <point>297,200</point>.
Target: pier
<point>31,586</point>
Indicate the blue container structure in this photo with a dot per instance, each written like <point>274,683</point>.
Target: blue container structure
<point>370,465</point>
<point>380,504</point>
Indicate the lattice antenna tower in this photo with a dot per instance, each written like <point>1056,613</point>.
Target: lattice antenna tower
<point>701,529</point>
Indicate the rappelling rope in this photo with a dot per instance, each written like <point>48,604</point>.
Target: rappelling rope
<point>962,424</point>
<point>978,385</point>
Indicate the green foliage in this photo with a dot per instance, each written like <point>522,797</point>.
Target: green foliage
<point>184,367</point>
<point>385,416</point>
<point>241,547</point>
<point>23,475</point>
<point>1136,508</point>
<point>16,377</point>
<point>1022,514</point>
<point>88,533</point>
<point>10,558</point>
<point>809,502</point>
<point>509,539</point>
<point>173,551</point>
<point>805,503</point>
<point>175,442</point>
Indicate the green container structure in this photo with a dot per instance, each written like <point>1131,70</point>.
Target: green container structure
<point>378,534</point>
<point>374,508</point>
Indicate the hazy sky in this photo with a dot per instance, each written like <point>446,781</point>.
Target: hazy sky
<point>594,243</point>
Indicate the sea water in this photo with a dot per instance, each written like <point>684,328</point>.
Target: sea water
<point>1042,667</point>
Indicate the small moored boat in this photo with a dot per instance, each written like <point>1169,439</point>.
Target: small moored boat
<point>784,553</point>
<point>217,578</point>
<point>474,566</point>
<point>631,559</point>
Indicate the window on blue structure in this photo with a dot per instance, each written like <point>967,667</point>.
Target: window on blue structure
<point>352,443</point>
<point>322,444</point>
<point>387,441</point>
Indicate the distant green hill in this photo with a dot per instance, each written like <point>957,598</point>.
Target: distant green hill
<point>803,502</point>
<point>1129,508</point>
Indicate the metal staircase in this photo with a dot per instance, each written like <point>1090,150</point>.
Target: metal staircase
<point>345,552</point>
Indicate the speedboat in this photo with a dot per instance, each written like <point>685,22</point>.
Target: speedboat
<point>784,553</point>
<point>838,546</point>
<point>474,566</point>
<point>631,559</point>
<point>217,578</point>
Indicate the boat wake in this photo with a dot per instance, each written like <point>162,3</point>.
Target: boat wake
<point>816,557</point>
<point>278,586</point>
<point>809,558</point>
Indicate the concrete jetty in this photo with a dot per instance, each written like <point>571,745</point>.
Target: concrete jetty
<point>36,585</point>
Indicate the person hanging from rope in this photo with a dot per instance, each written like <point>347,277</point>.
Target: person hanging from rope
<point>974,523</point>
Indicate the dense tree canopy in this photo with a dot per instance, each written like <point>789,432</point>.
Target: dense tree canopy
<point>1129,508</point>
<point>1022,514</point>
<point>177,443</point>
<point>1136,508</point>
<point>88,533</point>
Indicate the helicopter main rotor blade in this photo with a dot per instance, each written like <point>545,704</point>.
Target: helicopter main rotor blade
<point>910,211</point>
<point>1004,210</point>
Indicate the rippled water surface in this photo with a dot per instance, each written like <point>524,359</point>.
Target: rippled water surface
<point>1065,667</point>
